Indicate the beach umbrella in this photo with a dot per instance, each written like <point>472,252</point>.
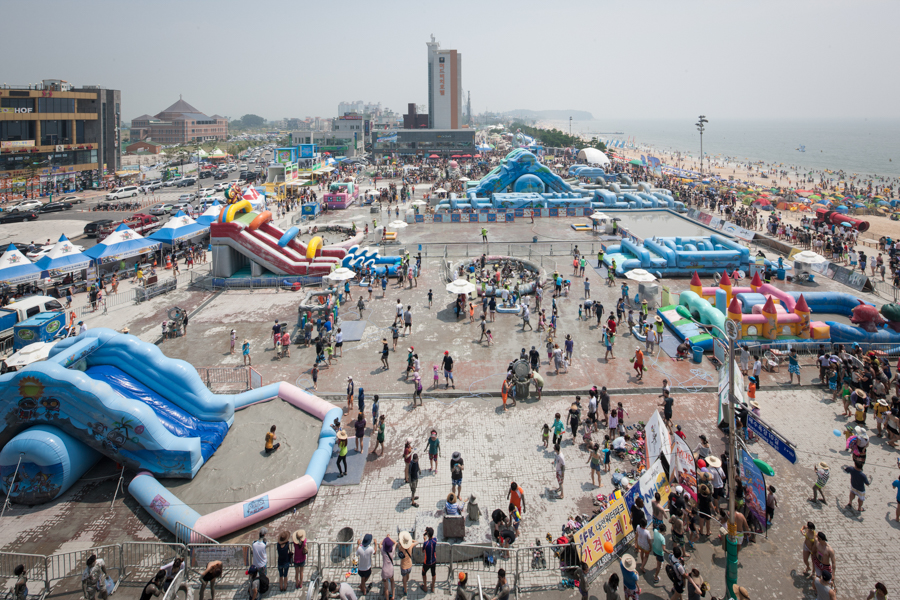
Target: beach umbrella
<point>809,257</point>
<point>464,179</point>
<point>599,216</point>
<point>434,156</point>
<point>461,286</point>
<point>640,275</point>
<point>418,202</point>
<point>439,191</point>
<point>33,352</point>
<point>341,274</point>
<point>397,224</point>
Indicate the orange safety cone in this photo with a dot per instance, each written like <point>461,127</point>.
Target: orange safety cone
<point>168,261</point>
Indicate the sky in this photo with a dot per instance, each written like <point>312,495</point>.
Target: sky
<point>785,59</point>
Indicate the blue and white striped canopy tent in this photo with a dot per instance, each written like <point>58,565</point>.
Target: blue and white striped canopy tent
<point>210,214</point>
<point>63,258</point>
<point>179,228</point>
<point>15,268</point>
<point>120,244</point>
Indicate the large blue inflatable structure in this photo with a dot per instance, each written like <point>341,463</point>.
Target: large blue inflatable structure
<point>521,181</point>
<point>677,256</point>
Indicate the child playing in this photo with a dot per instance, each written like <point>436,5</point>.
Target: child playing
<point>430,298</point>
<point>580,318</point>
<point>606,453</point>
<point>630,319</point>
<point>613,422</point>
<point>545,434</point>
<point>436,377</point>
<point>621,412</point>
<point>315,377</point>
<point>490,337</point>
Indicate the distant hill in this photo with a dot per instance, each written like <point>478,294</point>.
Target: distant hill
<point>556,115</point>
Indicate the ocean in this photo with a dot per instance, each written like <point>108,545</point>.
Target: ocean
<point>868,148</point>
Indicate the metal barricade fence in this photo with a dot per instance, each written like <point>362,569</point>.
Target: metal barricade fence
<point>35,567</point>
<point>71,564</point>
<point>186,535</point>
<point>479,558</point>
<point>886,289</point>
<point>218,376</point>
<point>177,581</point>
<point>141,560</point>
<point>235,562</point>
<point>811,348</point>
<point>539,566</point>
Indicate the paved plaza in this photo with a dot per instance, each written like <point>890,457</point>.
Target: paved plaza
<point>498,447</point>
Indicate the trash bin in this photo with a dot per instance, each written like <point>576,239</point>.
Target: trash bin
<point>780,274</point>
<point>345,542</point>
<point>698,354</point>
<point>534,240</point>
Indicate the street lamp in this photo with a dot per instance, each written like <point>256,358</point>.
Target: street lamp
<point>701,126</point>
<point>570,126</point>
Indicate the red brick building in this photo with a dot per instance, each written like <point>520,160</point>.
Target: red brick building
<point>179,124</point>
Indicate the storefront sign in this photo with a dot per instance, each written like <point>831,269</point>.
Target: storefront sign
<point>18,111</point>
<point>17,144</point>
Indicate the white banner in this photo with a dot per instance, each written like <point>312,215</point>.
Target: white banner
<point>657,438</point>
<point>653,480</point>
<point>682,468</point>
<point>738,231</point>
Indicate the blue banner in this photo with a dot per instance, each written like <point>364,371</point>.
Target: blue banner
<point>755,490</point>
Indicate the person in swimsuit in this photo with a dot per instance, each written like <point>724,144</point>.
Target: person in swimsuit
<point>823,557</point>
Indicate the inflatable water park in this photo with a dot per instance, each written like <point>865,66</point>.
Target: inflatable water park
<point>767,314</point>
<point>105,393</point>
<point>678,256</point>
<point>522,181</point>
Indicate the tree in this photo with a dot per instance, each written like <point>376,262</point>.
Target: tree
<point>252,121</point>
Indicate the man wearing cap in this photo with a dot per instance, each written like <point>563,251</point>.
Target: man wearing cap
<point>364,552</point>
<point>461,592</point>
<point>822,474</point>
<point>258,551</point>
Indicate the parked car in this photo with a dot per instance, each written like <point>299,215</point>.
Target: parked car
<point>92,229</point>
<point>187,181</point>
<point>173,182</point>
<point>185,198</point>
<point>221,175</point>
<point>55,206</point>
<point>18,216</point>
<point>140,223</point>
<point>153,186</point>
<point>41,252</point>
<point>162,208</point>
<point>129,191</point>
<point>205,174</point>
<point>185,206</point>
<point>26,205</point>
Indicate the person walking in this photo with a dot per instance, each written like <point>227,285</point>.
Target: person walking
<point>447,365</point>
<point>379,439</point>
<point>245,351</point>
<point>385,352</point>
<point>596,462</point>
<point>484,235</point>
<point>414,472</point>
<point>822,473</point>
<point>858,483</point>
<point>638,364</point>
<point>365,550</point>
<point>457,465</point>
<point>559,465</point>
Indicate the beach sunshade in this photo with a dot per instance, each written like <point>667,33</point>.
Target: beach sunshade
<point>15,268</point>
<point>809,257</point>
<point>461,286</point>
<point>439,191</point>
<point>640,275</point>
<point>341,274</point>
<point>31,353</point>
<point>397,225</point>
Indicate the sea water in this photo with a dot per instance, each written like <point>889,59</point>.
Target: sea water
<point>865,147</point>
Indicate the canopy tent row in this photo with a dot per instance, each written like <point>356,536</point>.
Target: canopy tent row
<point>15,268</point>
<point>179,228</point>
<point>121,244</point>
<point>63,258</point>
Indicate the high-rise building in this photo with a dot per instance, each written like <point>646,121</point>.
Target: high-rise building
<point>445,95</point>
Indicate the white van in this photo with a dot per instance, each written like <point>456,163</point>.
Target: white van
<point>123,192</point>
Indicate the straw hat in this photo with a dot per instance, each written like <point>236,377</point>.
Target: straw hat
<point>283,537</point>
<point>860,393</point>
<point>342,435</point>
<point>882,402</point>
<point>860,406</point>
<point>629,564</point>
<point>754,404</point>
<point>822,465</point>
<point>406,540</point>
<point>714,461</point>
<point>299,536</point>
<point>740,593</point>
<point>658,319</point>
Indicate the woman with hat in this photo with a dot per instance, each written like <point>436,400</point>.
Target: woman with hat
<point>284,559</point>
<point>858,444</point>
<point>880,409</point>
<point>406,544</point>
<point>387,567</point>
<point>299,540</point>
<point>342,452</point>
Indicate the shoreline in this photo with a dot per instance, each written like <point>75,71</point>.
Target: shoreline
<point>729,162</point>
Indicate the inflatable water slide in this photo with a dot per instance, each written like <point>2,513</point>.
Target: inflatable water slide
<point>105,393</point>
<point>241,235</point>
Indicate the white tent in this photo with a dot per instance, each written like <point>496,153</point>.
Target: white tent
<point>592,156</point>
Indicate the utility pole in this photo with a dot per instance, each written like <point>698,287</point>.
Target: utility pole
<point>570,126</point>
<point>731,547</point>
<point>701,127</point>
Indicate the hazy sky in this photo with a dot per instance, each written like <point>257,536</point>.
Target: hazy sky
<point>667,59</point>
